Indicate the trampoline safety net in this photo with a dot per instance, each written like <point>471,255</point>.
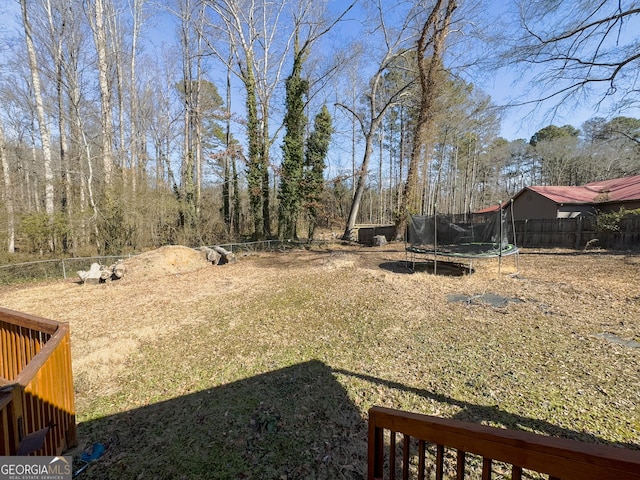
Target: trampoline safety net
<point>475,238</point>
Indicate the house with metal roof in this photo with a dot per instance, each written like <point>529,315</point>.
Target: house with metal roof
<point>538,202</point>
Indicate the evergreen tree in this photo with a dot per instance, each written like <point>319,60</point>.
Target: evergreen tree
<point>314,165</point>
<point>203,134</point>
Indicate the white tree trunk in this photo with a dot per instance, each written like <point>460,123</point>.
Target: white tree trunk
<point>198,117</point>
<point>56,38</point>
<point>100,39</point>
<point>8,195</point>
<point>42,119</point>
<point>137,7</point>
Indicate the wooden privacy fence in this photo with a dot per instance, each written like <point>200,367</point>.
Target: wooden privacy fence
<point>433,447</point>
<point>37,411</point>
<point>575,233</point>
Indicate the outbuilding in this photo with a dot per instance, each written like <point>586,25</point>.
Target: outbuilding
<point>544,202</point>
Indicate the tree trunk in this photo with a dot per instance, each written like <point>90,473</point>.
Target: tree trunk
<point>236,198</point>
<point>133,96</point>
<point>56,33</point>
<point>198,115</point>
<point>187,184</point>
<point>100,40</point>
<point>255,165</point>
<point>226,185</point>
<point>115,53</point>
<point>434,32</point>
<point>349,231</point>
<point>226,255</point>
<point>266,212</point>
<point>8,194</point>
<point>42,119</point>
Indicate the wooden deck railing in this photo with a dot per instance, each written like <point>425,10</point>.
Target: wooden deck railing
<point>432,447</point>
<point>37,411</point>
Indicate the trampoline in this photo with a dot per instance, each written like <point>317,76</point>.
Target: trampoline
<point>462,237</point>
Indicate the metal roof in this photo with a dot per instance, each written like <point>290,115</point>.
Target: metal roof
<point>615,190</point>
<point>619,189</point>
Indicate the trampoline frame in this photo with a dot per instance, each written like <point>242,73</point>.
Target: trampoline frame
<point>448,250</point>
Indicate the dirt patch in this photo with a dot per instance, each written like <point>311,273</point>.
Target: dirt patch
<point>167,260</point>
<point>490,299</point>
<point>110,321</point>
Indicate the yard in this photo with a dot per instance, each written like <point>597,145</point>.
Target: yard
<point>266,368</point>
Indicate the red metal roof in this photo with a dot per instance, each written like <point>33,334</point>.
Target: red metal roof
<point>578,195</point>
<point>619,189</point>
<point>493,208</point>
<point>615,190</point>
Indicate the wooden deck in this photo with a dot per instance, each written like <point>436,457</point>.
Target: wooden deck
<point>37,410</point>
<point>432,447</point>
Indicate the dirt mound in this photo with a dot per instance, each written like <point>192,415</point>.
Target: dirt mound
<point>337,260</point>
<point>167,260</point>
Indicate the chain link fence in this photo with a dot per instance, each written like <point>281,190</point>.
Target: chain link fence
<point>64,268</point>
<point>50,269</point>
<point>265,246</point>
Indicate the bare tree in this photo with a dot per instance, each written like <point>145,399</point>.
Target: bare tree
<point>433,36</point>
<point>580,49</point>
<point>396,42</point>
<point>190,87</point>
<point>57,22</point>
<point>137,8</point>
<point>45,137</point>
<point>96,14</point>
<point>8,194</point>
<point>258,37</point>
<point>250,49</point>
<point>307,31</point>
<point>81,158</point>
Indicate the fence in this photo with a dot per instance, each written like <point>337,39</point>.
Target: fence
<point>576,233</point>
<point>37,411</point>
<point>548,233</point>
<point>63,268</point>
<point>366,233</point>
<point>49,269</point>
<point>264,245</point>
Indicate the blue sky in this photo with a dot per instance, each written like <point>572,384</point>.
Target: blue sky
<point>504,85</point>
<point>514,84</point>
<point>524,121</point>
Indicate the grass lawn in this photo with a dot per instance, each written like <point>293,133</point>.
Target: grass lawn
<point>265,368</point>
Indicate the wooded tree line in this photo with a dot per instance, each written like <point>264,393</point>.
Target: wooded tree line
<point>114,139</point>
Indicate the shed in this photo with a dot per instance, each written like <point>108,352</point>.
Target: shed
<point>541,202</point>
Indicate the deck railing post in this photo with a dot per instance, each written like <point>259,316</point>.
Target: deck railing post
<point>439,462</point>
<point>375,452</point>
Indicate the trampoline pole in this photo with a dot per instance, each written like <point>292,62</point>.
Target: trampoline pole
<point>515,237</point>
<point>500,239</point>
<point>435,241</point>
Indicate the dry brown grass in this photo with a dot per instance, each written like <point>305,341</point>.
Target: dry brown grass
<point>266,368</point>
